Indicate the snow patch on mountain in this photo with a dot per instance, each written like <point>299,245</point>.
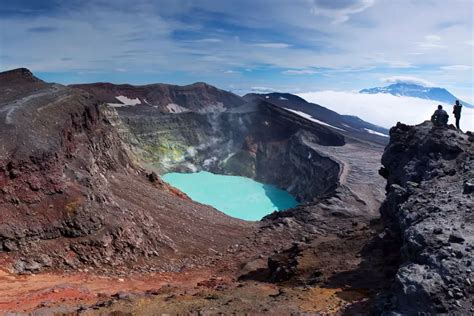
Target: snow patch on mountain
<point>375,132</point>
<point>175,108</point>
<point>309,117</point>
<point>125,101</point>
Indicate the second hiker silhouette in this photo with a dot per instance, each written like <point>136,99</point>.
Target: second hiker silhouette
<point>457,112</point>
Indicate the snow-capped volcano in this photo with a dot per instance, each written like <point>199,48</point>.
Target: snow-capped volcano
<point>417,91</point>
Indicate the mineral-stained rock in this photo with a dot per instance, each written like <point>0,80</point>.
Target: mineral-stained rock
<point>260,141</point>
<point>26,266</point>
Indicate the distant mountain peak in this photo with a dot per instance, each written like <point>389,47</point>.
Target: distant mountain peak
<point>415,90</point>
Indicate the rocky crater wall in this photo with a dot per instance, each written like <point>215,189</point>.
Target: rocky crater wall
<point>259,141</point>
<point>71,196</point>
<point>54,184</point>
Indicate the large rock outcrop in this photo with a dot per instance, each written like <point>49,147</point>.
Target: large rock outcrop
<point>429,213</point>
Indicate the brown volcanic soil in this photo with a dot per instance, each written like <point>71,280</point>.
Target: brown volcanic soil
<point>330,277</point>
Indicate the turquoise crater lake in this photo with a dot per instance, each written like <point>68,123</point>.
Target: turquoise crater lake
<point>238,197</point>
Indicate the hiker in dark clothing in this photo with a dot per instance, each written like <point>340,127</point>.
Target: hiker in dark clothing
<point>440,117</point>
<point>457,112</point>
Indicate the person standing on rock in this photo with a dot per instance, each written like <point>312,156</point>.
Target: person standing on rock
<point>440,117</point>
<point>457,112</point>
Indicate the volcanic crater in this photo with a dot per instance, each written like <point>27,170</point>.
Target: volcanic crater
<point>84,211</point>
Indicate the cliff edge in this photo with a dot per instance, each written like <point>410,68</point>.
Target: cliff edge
<point>428,212</point>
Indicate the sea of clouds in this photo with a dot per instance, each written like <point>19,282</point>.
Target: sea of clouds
<point>385,109</point>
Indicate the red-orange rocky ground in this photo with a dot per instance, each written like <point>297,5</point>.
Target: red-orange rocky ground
<point>336,273</point>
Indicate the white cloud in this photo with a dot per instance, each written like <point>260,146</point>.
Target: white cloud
<point>231,72</point>
<point>338,11</point>
<point>456,67</point>
<point>384,109</point>
<point>208,40</point>
<point>407,79</point>
<point>399,64</point>
<point>299,72</point>
<point>431,42</point>
<point>273,45</point>
<point>262,89</point>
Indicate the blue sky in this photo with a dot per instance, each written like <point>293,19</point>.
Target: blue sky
<point>258,45</point>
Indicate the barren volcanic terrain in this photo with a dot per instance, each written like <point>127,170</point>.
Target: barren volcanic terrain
<point>88,227</point>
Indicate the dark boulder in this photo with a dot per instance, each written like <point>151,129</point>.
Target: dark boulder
<point>153,177</point>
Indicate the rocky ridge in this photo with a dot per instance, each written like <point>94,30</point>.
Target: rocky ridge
<point>347,125</point>
<point>428,212</point>
<point>165,97</point>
